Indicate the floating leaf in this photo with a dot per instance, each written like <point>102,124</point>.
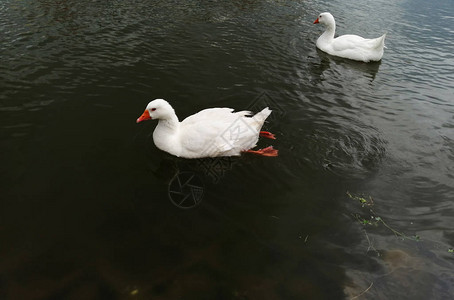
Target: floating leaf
<point>134,292</point>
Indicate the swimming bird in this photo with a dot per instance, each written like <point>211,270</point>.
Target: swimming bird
<point>211,132</point>
<point>348,46</point>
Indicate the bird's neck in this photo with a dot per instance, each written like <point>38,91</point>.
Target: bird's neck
<point>166,133</point>
<point>329,32</point>
<point>171,124</point>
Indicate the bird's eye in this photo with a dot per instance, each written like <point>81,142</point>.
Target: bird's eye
<point>153,109</point>
<point>320,16</point>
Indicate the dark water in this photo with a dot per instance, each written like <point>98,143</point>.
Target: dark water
<point>85,210</point>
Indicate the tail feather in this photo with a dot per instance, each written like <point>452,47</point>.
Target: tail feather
<point>261,116</point>
<point>381,42</point>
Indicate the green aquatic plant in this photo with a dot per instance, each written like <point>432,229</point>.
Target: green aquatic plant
<point>364,202</point>
<point>374,219</point>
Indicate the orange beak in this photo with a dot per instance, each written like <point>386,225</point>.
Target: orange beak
<point>316,21</point>
<point>145,116</point>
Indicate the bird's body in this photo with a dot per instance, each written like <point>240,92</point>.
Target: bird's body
<point>209,133</point>
<point>348,46</point>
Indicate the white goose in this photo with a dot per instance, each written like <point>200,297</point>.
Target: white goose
<point>348,46</point>
<point>209,133</point>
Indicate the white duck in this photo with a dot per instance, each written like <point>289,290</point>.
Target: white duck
<point>209,133</point>
<point>348,46</point>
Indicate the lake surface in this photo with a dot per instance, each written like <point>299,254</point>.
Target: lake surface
<point>359,202</point>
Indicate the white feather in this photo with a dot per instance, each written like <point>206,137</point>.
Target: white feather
<point>209,133</point>
<point>348,46</point>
